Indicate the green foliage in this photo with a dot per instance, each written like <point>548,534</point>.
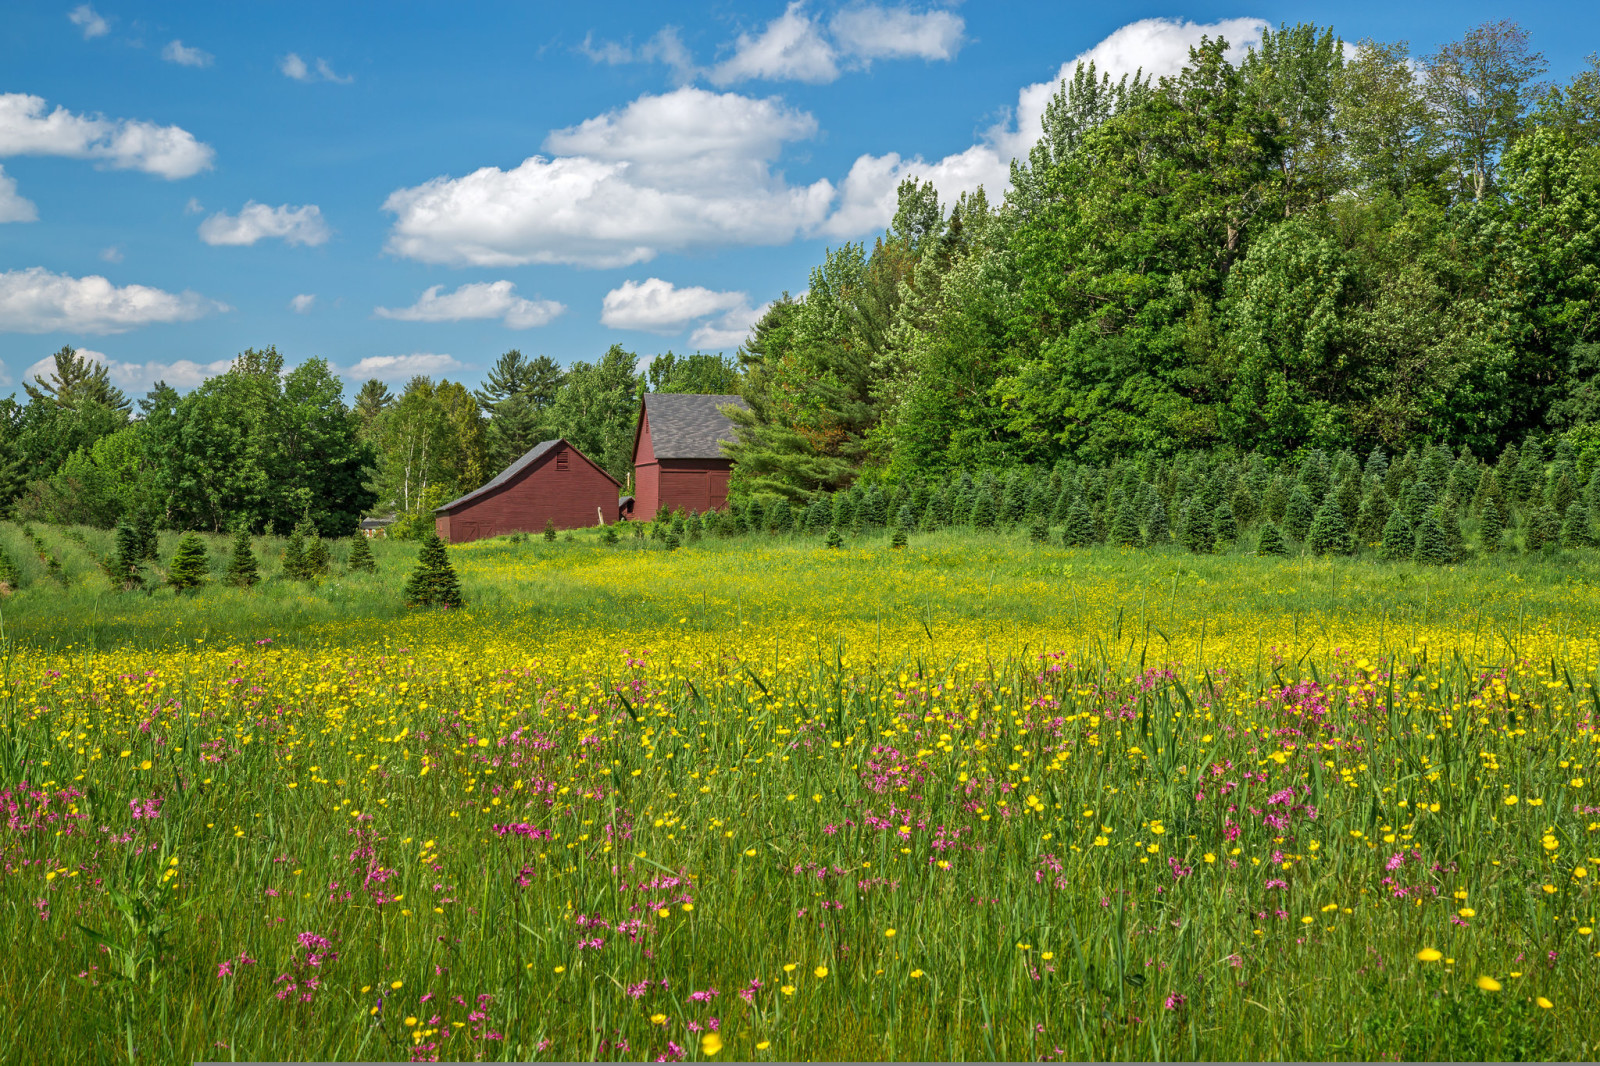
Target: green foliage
<point>433,583</point>
<point>1577,529</point>
<point>833,539</point>
<point>1433,541</point>
<point>125,570</point>
<point>361,560</point>
<point>698,373</point>
<point>1543,531</point>
<point>294,565</point>
<point>1078,527</point>
<point>1329,535</point>
<point>1199,527</point>
<point>984,515</point>
<point>1492,525</point>
<point>609,534</point>
<point>1039,531</point>
<point>1299,514</point>
<point>1271,542</point>
<point>10,580</point>
<point>1372,516</point>
<point>242,571</point>
<point>189,567</point>
<point>549,530</point>
<point>1226,525</point>
<point>1399,538</point>
<point>899,539</point>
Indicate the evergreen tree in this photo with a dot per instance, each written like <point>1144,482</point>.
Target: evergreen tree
<point>144,522</point>
<point>189,565</point>
<point>1275,500</point>
<point>1372,517</point>
<point>694,527</point>
<point>10,580</point>
<point>1348,494</point>
<point>317,556</point>
<point>549,530</point>
<point>362,561</point>
<point>124,567</point>
<point>1377,465</point>
<point>1243,503</point>
<point>1563,491</point>
<point>755,515</point>
<point>294,557</point>
<point>1199,527</point>
<point>843,513</point>
<point>780,517</point>
<point>834,540</point>
<point>1078,531</point>
<point>1124,527</point>
<point>1543,531</point>
<point>242,570</point>
<point>983,511</point>
<point>1399,540</point>
<point>433,583</point>
<point>1577,531</point>
<point>1156,527</point>
<point>1433,543</point>
<point>899,539</point>
<point>1492,525</point>
<point>1329,535</point>
<point>1299,513</point>
<point>609,534</point>
<point>1039,531</point>
<point>1227,525</point>
<point>817,514</point>
<point>1271,542</point>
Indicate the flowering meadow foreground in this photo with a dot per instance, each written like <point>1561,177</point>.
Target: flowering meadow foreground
<point>973,799</point>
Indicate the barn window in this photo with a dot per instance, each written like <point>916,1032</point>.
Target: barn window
<point>561,460</point>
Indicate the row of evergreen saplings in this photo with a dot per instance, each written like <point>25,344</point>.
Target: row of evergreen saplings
<point>1412,508</point>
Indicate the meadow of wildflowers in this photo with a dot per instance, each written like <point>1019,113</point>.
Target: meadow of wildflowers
<point>975,798</point>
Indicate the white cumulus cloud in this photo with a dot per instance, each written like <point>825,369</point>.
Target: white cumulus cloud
<point>179,53</point>
<point>139,377</point>
<point>791,48</point>
<point>730,330</point>
<point>486,299</point>
<point>398,367</point>
<point>14,207</point>
<point>292,66</point>
<point>685,169</point>
<point>168,151</point>
<point>35,300</point>
<point>898,33</point>
<point>295,225</point>
<point>661,307</point>
<point>303,303</point>
<point>89,21</point>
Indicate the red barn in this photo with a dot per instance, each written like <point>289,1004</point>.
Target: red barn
<point>553,482</point>
<point>676,458</point>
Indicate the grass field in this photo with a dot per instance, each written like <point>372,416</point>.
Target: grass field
<point>755,798</point>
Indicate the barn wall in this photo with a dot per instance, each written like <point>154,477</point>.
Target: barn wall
<point>695,484</point>
<point>569,498</point>
<point>441,525</point>
<point>646,474</point>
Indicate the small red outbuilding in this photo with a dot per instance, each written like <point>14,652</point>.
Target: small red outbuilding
<point>553,482</point>
<point>677,458</point>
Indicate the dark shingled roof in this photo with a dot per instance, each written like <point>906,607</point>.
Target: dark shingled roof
<point>688,426</point>
<point>531,456</point>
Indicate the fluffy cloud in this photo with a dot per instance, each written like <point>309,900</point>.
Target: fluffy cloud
<point>665,47</point>
<point>36,301</point>
<point>791,48</point>
<point>303,303</point>
<point>795,46</point>
<point>487,299</point>
<point>399,367</point>
<point>168,151</point>
<point>295,225</point>
<point>112,253</point>
<point>139,377</point>
<point>867,196</point>
<point>292,66</point>
<point>13,206</point>
<point>689,168</point>
<point>661,307</point>
<point>177,52</point>
<point>898,33</point>
<point>89,21</point>
<point>730,330</point>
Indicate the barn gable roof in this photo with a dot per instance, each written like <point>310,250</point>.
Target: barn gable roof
<point>510,473</point>
<point>687,425</point>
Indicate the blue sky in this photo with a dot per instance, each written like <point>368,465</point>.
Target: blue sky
<point>409,187</point>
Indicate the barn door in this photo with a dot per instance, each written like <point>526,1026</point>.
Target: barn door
<point>719,488</point>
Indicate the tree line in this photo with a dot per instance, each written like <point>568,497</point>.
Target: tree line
<point>268,448</point>
<point>1323,246</point>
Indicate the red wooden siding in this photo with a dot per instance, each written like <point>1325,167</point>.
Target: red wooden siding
<point>646,474</point>
<point>563,487</point>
